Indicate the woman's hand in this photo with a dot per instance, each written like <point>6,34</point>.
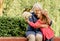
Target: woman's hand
<point>27,20</point>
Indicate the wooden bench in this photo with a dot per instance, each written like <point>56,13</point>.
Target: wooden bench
<point>13,39</point>
<point>56,38</point>
<point>21,39</point>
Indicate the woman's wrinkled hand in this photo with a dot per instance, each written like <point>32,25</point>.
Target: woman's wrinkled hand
<point>27,20</point>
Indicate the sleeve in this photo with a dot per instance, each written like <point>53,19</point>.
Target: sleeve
<point>29,28</point>
<point>34,25</point>
<point>30,19</point>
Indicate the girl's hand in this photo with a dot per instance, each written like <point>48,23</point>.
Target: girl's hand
<point>44,25</point>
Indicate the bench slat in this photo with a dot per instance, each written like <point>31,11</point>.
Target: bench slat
<point>21,39</point>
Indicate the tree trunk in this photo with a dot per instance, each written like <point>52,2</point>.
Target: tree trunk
<point>1,7</point>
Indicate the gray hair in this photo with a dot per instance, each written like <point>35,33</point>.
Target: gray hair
<point>37,5</point>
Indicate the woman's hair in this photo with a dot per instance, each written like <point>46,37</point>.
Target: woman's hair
<point>37,5</point>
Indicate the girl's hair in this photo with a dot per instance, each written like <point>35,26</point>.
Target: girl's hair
<point>45,19</point>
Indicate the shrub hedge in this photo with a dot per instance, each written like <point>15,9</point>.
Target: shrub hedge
<point>12,26</point>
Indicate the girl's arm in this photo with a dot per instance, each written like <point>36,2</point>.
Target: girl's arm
<point>37,24</point>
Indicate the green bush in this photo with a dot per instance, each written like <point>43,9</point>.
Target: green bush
<point>12,26</point>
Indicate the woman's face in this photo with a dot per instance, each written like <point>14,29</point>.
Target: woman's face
<point>37,12</point>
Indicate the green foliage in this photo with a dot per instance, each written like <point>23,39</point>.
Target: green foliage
<point>12,26</point>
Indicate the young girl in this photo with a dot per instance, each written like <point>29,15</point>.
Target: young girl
<point>43,24</point>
